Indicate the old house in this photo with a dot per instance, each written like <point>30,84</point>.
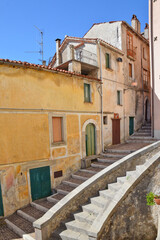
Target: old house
<point>118,54</point>
<point>49,121</point>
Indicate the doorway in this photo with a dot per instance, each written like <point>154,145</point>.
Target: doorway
<point>40,182</point>
<point>115,131</point>
<point>131,125</point>
<point>90,140</point>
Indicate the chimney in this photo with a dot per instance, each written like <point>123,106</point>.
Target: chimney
<point>146,31</point>
<point>135,23</point>
<point>44,62</point>
<point>58,42</point>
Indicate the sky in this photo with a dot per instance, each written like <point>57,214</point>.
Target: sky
<point>19,36</point>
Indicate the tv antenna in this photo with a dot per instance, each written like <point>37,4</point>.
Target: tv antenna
<point>41,44</point>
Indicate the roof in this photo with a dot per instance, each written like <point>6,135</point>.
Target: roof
<point>82,41</point>
<point>43,67</point>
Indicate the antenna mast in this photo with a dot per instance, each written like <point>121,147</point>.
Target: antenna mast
<point>40,43</point>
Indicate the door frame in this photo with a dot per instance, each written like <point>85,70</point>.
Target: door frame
<point>94,139</point>
<point>97,137</point>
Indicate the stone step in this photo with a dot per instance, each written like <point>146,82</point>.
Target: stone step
<point>119,151</point>
<point>144,131</point>
<point>107,160</point>
<point>6,233</point>
<point>19,225</point>
<point>99,201</point>
<point>113,155</point>
<point>39,207</point>
<point>114,186</point>
<point>140,141</point>
<point>141,137</point>
<point>44,203</point>
<point>92,209</point>
<point>82,175</point>
<point>71,235</point>
<point>88,170</point>
<point>55,197</point>
<point>76,226</point>
<point>121,179</point>
<point>85,217</point>
<point>99,165</point>
<point>108,194</point>
<point>30,213</point>
<point>130,173</point>
<point>56,234</point>
<point>73,182</point>
<point>64,189</point>
<point>142,134</point>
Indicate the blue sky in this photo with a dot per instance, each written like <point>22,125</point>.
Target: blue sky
<point>57,19</point>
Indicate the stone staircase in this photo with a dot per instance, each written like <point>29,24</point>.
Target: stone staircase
<point>142,135</point>
<point>21,222</point>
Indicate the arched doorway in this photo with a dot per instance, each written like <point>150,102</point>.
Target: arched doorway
<point>90,139</point>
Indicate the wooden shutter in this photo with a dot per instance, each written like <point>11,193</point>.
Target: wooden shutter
<point>57,129</point>
<point>87,97</point>
<point>107,61</point>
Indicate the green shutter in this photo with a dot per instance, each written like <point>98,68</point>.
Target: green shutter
<point>90,140</point>
<point>87,97</point>
<point>1,203</point>
<point>118,98</point>
<point>107,60</point>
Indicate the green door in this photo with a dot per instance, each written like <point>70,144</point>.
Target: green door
<point>131,125</point>
<point>1,203</point>
<point>40,182</point>
<point>90,140</point>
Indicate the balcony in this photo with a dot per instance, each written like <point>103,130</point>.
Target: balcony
<point>131,53</point>
<point>85,56</point>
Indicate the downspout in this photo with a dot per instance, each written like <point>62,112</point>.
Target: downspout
<point>142,85</point>
<point>100,61</point>
<point>152,66</point>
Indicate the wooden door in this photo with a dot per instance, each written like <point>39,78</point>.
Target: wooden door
<point>115,131</point>
<point>90,140</point>
<point>131,125</point>
<point>1,203</point>
<point>40,182</point>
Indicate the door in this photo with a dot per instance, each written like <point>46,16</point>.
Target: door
<point>40,182</point>
<point>115,131</point>
<point>90,140</point>
<point>131,125</point>
<point>1,203</point>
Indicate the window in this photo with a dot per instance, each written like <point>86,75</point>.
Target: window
<point>144,53</point>
<point>57,129</point>
<point>119,97</point>
<point>145,78</point>
<point>130,49</point>
<point>107,60</point>
<point>130,70</point>
<point>105,120</point>
<point>87,92</point>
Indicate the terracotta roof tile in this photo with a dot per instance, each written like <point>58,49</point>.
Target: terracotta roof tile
<point>38,66</point>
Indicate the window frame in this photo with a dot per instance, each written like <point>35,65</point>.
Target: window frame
<point>119,98</point>
<point>108,60</point>
<point>63,129</point>
<point>87,99</point>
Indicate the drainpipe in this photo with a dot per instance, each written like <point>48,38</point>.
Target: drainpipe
<point>152,66</point>
<point>100,61</point>
<point>142,85</point>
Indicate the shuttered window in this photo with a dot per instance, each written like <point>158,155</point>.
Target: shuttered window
<point>130,70</point>
<point>119,97</point>
<point>57,129</point>
<point>87,92</point>
<point>107,60</point>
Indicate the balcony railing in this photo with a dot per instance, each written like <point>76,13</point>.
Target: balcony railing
<point>131,52</point>
<point>86,57</point>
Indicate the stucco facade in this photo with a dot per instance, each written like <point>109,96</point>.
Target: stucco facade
<point>30,97</point>
<point>128,73</point>
<point>154,9</point>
